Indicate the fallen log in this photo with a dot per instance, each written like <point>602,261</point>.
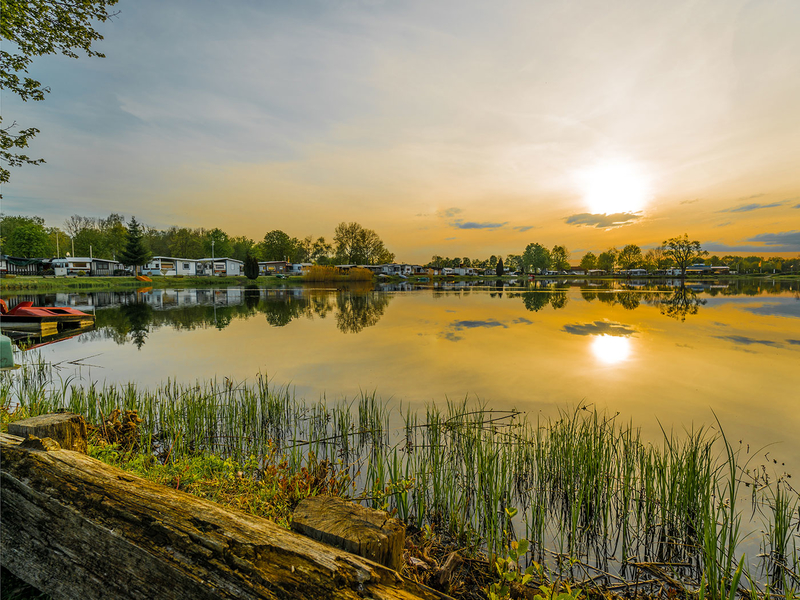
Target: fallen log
<point>75,527</point>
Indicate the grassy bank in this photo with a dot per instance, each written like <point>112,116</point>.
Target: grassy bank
<point>600,506</point>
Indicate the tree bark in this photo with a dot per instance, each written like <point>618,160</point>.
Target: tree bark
<point>75,527</point>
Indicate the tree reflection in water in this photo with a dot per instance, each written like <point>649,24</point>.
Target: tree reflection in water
<point>356,311</point>
<point>682,302</point>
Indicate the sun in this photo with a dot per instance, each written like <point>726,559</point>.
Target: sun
<point>611,349</point>
<point>614,187</point>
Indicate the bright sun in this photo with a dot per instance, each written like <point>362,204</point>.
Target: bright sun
<point>611,349</point>
<point>614,187</point>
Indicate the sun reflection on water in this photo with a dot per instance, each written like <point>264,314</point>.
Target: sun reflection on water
<point>611,349</point>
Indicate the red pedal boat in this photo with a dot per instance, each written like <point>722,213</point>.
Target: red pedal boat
<point>27,317</point>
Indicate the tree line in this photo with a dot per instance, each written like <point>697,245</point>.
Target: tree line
<point>677,252</point>
<point>29,237</point>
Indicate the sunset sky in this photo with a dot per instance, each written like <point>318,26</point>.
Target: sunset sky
<point>454,128</point>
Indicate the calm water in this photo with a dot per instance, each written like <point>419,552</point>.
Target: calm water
<point>658,355</point>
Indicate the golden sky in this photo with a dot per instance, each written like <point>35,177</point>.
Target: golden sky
<point>452,128</point>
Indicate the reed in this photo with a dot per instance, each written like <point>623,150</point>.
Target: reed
<point>588,492</point>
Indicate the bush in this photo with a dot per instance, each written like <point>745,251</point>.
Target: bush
<point>81,273</point>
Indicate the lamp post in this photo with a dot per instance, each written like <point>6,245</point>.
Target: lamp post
<point>212,267</point>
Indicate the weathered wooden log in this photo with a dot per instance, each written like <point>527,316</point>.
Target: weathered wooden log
<point>75,527</point>
<point>364,531</point>
<point>68,429</point>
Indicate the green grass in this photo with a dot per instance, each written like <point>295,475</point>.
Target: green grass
<point>595,500</point>
<point>30,283</point>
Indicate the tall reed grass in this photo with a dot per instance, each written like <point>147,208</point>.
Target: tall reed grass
<point>326,273</point>
<point>596,501</point>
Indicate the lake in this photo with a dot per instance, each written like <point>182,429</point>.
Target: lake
<point>657,354</point>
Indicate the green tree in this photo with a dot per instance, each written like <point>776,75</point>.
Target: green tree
<point>630,256</point>
<point>357,245</point>
<point>28,239</point>
<point>499,268</point>
<point>536,258</point>
<point>37,28</point>
<point>221,246</point>
<point>186,243</point>
<point>683,251</point>
<point>559,258</point>
<point>277,245</point>
<point>114,235</point>
<point>321,251</point>
<point>136,253</point>
<point>607,260</point>
<point>589,261</point>
<point>251,267</point>
<point>242,247</point>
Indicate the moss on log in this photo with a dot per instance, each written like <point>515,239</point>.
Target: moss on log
<point>75,527</point>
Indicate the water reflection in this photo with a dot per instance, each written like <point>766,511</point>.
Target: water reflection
<point>682,302</point>
<point>611,349</point>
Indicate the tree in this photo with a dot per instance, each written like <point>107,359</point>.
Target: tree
<point>28,240</point>
<point>589,261</point>
<point>357,245</point>
<point>630,256</point>
<point>242,247</point>
<point>221,246</point>
<point>114,235</point>
<point>135,253</point>
<point>559,258</point>
<point>321,251</point>
<point>277,245</point>
<point>657,259</point>
<point>536,258</point>
<point>251,267</point>
<point>499,268</point>
<point>36,29</point>
<point>607,260</point>
<point>683,251</point>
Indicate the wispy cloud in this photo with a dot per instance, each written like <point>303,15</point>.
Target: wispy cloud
<point>750,207</point>
<point>796,206</point>
<point>794,342</point>
<point>600,328</point>
<point>601,221</point>
<point>473,225</point>
<point>784,241</point>
<point>451,332</point>
<point>774,309</point>
<point>690,201</point>
<point>742,340</point>
<point>523,227</point>
<point>725,224</point>
<point>449,213</point>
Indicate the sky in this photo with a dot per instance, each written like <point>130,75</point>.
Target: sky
<point>453,128</point>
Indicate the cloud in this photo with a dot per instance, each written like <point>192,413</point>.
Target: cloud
<point>794,342</point>
<point>750,207</point>
<point>449,213</point>
<point>747,341</point>
<point>785,241</point>
<point>522,321</point>
<point>601,221</point>
<point>600,328</point>
<point>489,323</point>
<point>690,201</point>
<point>473,225</point>
<point>523,227</point>
<point>450,333</point>
<point>796,206</point>
<point>725,224</point>
<point>783,309</point>
<point>450,239</point>
<point>754,196</point>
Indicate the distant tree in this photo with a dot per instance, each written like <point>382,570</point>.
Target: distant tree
<point>251,267</point>
<point>492,261</point>
<point>186,243</point>
<point>357,245</point>
<point>589,261</point>
<point>559,258</point>
<point>466,262</point>
<point>136,253</point>
<point>536,258</point>
<point>630,256</point>
<point>514,262</point>
<point>683,251</point>
<point>242,247</point>
<point>113,235</point>
<point>655,258</point>
<point>321,251</point>
<point>29,240</point>
<point>499,268</point>
<point>221,247</point>
<point>607,260</point>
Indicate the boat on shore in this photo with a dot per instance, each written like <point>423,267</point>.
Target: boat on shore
<point>43,320</point>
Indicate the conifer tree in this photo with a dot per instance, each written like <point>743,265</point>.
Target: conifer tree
<point>136,253</point>
<point>499,269</point>
<point>251,266</point>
